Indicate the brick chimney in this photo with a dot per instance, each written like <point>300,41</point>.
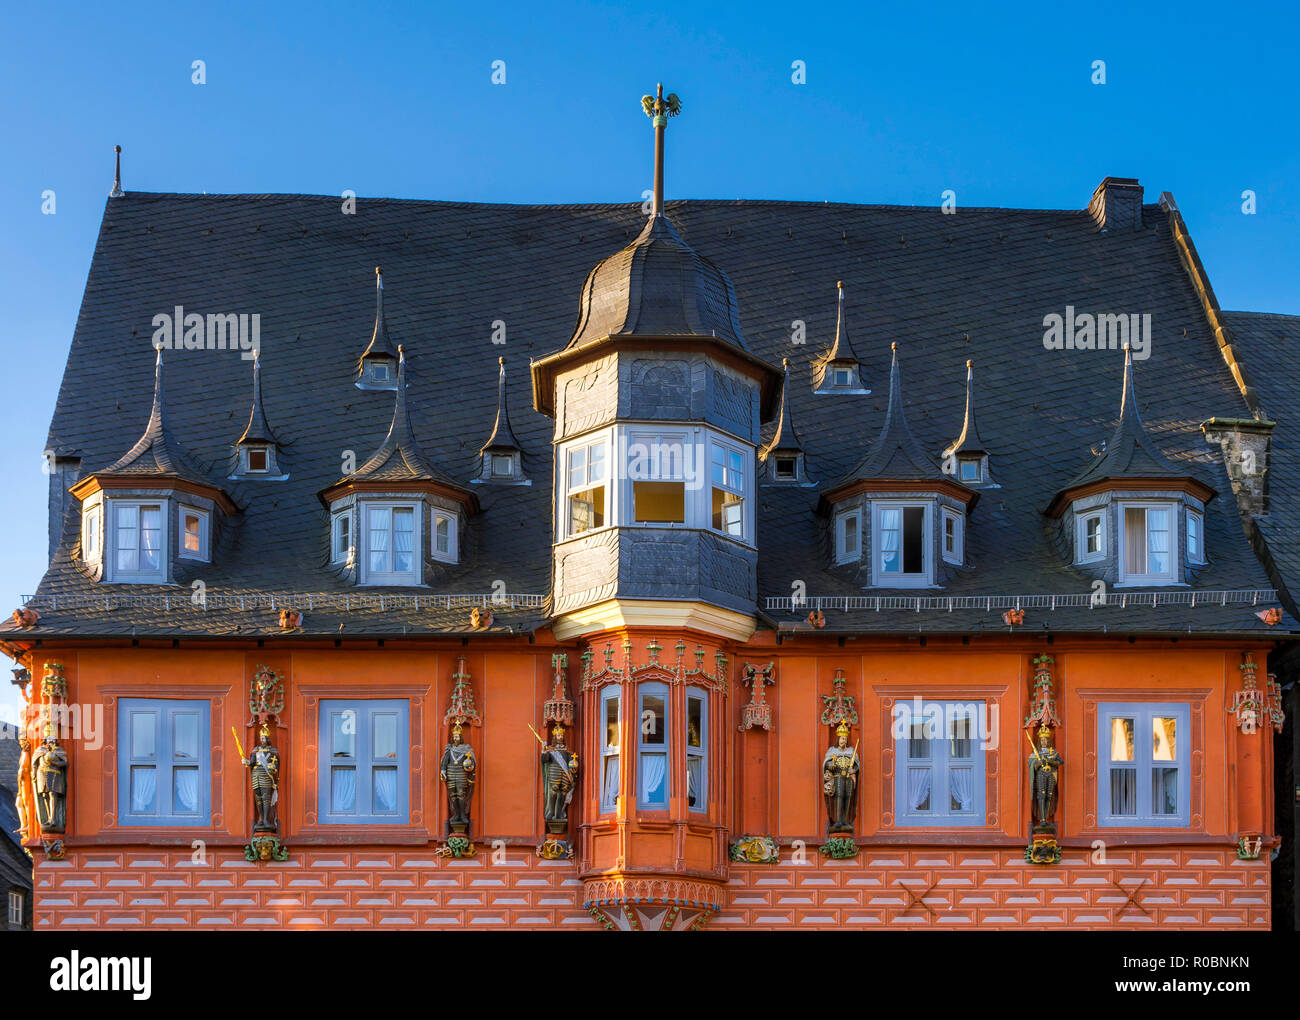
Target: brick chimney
<point>1117,204</point>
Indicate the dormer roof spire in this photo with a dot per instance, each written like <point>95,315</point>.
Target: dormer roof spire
<point>257,430</point>
<point>842,350</point>
<point>117,191</point>
<point>379,345</point>
<point>156,452</point>
<point>502,437</point>
<point>659,108</point>
<point>969,441</point>
<point>784,438</point>
<point>1129,453</point>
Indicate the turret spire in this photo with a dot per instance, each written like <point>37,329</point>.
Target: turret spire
<point>659,108</point>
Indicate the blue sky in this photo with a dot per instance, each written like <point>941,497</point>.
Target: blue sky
<point>898,106</point>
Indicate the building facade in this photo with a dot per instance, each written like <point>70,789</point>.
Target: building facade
<point>717,615</point>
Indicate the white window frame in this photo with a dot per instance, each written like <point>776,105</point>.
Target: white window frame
<point>452,553</point>
<point>925,578</point>
<point>793,458</point>
<point>508,459</point>
<point>835,376</point>
<point>1171,577</point>
<point>610,756</point>
<point>978,461</point>
<point>1081,519</point>
<point>700,752</point>
<point>204,553</point>
<point>1197,518</point>
<point>390,577</point>
<point>958,553</point>
<point>341,520</point>
<point>17,902</point>
<point>843,554</point>
<point>743,493</point>
<point>563,523</point>
<point>92,532</point>
<point>119,576</point>
<point>373,368</point>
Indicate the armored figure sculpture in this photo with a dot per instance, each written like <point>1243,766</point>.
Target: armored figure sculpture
<point>840,768</point>
<point>264,764</point>
<point>1044,778</point>
<point>458,772</point>
<point>559,778</point>
<point>50,768</point>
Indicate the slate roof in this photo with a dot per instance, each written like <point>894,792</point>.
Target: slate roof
<point>976,285</point>
<point>502,438</point>
<point>257,430</point>
<point>157,451</point>
<point>783,436</point>
<point>969,440</point>
<point>1270,345</point>
<point>380,345</point>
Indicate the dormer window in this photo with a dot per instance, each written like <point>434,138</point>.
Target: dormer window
<point>1145,554</point>
<point>586,484</point>
<point>970,469</point>
<point>900,540</point>
<point>1090,537</point>
<point>378,371</point>
<point>842,376</point>
<point>193,534</point>
<point>91,533</point>
<point>785,467</point>
<point>1195,537</point>
<point>139,536</point>
<point>953,535</point>
<point>848,536</point>
<point>502,465</point>
<point>255,459</point>
<point>341,536</point>
<point>445,528</point>
<point>392,544</point>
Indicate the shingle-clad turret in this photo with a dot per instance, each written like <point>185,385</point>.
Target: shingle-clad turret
<point>378,364</point>
<point>838,370</point>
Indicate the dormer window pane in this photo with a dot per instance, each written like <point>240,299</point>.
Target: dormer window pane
<point>1195,552</point>
<point>787,467</point>
<point>256,460</point>
<point>403,547</point>
<point>970,469</point>
<point>443,537</point>
<point>192,533</point>
<point>585,484</point>
<point>1092,535</point>
<point>502,465</point>
<point>902,540</point>
<point>843,377</point>
<point>1146,543</point>
<point>659,502</point>
<point>378,371</point>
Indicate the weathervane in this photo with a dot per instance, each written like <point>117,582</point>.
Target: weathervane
<point>659,108</point>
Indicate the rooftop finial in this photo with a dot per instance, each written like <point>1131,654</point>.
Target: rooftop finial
<point>117,191</point>
<point>659,108</point>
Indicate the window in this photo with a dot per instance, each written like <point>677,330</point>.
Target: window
<point>1144,779</point>
<point>1195,537</point>
<point>90,531</point>
<point>392,545</point>
<point>16,902</point>
<point>445,528</point>
<point>586,485</point>
<point>953,537</point>
<point>786,466</point>
<point>652,748</point>
<point>501,465</point>
<point>843,377</point>
<point>256,459</point>
<point>902,555</point>
<point>341,537</point>
<point>969,469</point>
<point>697,750</point>
<point>848,535</point>
<point>139,536</point>
<point>657,465</point>
<point>194,533</point>
<point>364,773</point>
<point>1145,553</point>
<point>164,762</point>
<point>610,701</point>
<point>728,474</point>
<point>378,371</point>
<point>939,775</point>
<point>1090,537</point>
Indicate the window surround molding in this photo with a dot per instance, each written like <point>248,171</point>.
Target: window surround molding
<point>244,470</point>
<point>622,447</point>
<point>363,732</point>
<point>203,554</point>
<point>437,517</point>
<point>957,554</point>
<point>940,763</point>
<point>881,514</point>
<point>1143,763</point>
<point>1195,524</point>
<point>133,715</point>
<point>369,511</point>
<point>1089,704</point>
<point>1173,548</point>
<point>848,525</point>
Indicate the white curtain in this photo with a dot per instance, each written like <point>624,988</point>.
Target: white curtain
<point>186,790</point>
<point>961,787</point>
<point>918,788</point>
<point>150,532</point>
<point>144,784</point>
<point>1123,791</point>
<point>344,783</point>
<point>694,779</point>
<point>609,789</point>
<point>402,540</point>
<point>653,768</point>
<point>890,524</point>
<point>385,790</point>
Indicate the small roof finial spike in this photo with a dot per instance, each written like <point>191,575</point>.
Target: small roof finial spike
<point>117,191</point>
